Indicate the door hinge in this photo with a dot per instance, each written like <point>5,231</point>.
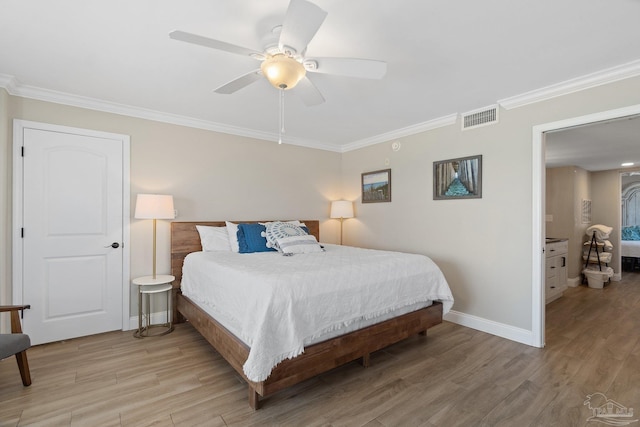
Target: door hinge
<point>22,232</point>
<point>22,151</point>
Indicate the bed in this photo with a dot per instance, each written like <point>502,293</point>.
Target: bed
<point>630,247</point>
<point>304,354</point>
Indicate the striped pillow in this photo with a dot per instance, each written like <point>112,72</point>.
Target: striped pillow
<point>299,244</point>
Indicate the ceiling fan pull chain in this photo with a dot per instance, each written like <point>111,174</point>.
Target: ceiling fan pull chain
<point>281,129</point>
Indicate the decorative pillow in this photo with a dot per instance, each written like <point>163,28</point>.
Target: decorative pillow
<point>232,231</point>
<point>631,232</point>
<point>213,238</point>
<point>299,244</point>
<point>279,229</point>
<point>250,239</point>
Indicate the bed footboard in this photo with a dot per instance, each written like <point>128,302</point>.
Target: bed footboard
<point>316,359</point>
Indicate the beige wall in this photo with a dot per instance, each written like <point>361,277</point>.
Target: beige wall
<point>484,246</point>
<point>211,175</point>
<point>606,208</point>
<point>566,187</point>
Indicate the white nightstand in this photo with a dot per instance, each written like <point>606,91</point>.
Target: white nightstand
<point>147,285</point>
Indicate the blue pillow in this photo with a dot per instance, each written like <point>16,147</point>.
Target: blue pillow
<point>631,232</point>
<point>250,239</point>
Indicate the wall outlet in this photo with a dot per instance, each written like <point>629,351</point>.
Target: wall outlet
<point>549,218</point>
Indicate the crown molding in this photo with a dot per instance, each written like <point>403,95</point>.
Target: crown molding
<point>609,75</point>
<point>13,87</point>
<point>399,133</point>
<point>9,83</point>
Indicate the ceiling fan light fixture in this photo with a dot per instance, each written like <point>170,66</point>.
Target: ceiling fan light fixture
<point>282,71</point>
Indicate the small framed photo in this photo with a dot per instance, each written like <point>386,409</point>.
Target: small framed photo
<point>376,186</point>
<point>458,178</point>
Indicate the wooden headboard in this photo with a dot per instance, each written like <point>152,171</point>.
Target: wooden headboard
<point>186,239</point>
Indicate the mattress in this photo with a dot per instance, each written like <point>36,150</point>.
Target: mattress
<point>277,305</point>
<point>630,248</point>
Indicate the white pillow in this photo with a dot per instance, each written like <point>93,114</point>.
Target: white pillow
<point>232,231</point>
<point>213,238</point>
<point>299,244</point>
<point>279,229</point>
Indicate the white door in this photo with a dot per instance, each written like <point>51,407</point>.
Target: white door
<point>72,234</point>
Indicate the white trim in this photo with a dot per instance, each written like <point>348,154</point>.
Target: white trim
<point>538,225</point>
<point>538,156</point>
<point>9,83</point>
<point>14,88</point>
<point>126,228</point>
<point>18,219</point>
<point>610,75</point>
<point>602,77</point>
<point>489,326</point>
<point>399,133</point>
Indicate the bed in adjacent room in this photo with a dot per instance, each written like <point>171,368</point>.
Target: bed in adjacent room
<point>630,247</point>
<point>281,308</point>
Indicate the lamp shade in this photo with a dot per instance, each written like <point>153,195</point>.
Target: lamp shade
<point>154,206</point>
<point>341,209</point>
<point>282,71</point>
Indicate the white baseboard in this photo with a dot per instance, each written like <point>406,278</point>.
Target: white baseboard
<point>512,333</point>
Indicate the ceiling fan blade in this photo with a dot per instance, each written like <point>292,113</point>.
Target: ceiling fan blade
<point>308,92</point>
<point>239,83</point>
<point>301,23</point>
<point>214,44</point>
<point>351,67</point>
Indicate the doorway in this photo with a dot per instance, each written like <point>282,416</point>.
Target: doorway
<point>538,204</point>
<point>71,219</point>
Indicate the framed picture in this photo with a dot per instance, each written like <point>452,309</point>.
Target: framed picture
<point>458,178</point>
<point>376,186</point>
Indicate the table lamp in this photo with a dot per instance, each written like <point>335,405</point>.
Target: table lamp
<point>341,209</point>
<point>154,206</point>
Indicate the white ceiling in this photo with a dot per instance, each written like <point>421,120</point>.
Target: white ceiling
<point>595,147</point>
<point>444,58</point>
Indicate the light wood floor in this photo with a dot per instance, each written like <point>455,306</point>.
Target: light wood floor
<point>454,377</point>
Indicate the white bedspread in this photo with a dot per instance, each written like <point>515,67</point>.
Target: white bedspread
<point>630,248</point>
<point>278,302</point>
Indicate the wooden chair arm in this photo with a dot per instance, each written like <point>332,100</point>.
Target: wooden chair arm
<point>13,307</point>
<point>16,328</point>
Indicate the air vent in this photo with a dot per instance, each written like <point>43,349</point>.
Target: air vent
<point>482,117</point>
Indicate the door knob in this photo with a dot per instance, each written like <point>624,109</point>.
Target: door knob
<point>114,245</point>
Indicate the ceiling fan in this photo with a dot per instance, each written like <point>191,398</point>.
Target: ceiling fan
<point>284,62</point>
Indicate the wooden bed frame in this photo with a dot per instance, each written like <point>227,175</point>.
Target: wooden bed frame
<point>317,358</point>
